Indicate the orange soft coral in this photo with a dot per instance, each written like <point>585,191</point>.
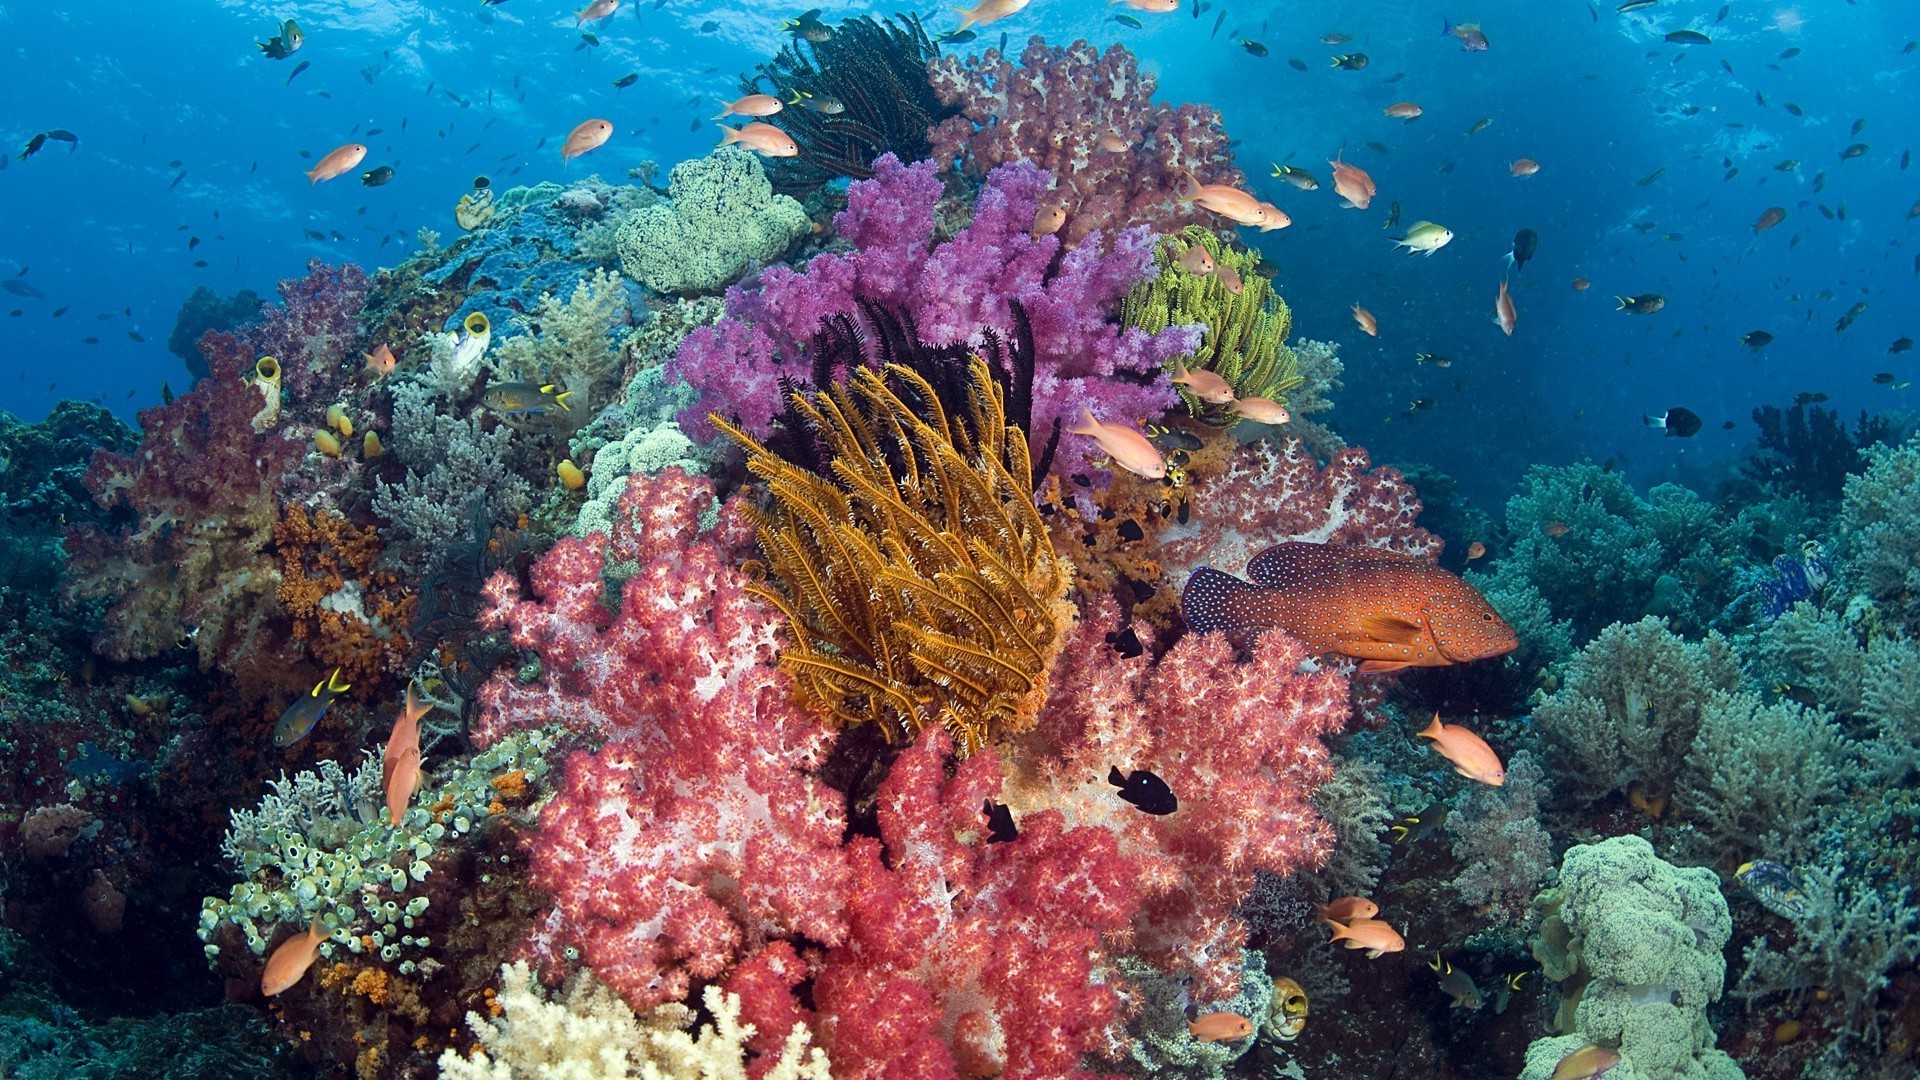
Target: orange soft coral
<point>346,613</point>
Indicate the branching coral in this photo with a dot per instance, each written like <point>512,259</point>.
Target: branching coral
<point>876,71</point>
<point>1880,515</point>
<point>1630,708</point>
<point>1062,109</point>
<point>1809,452</point>
<point>919,584</point>
<point>1763,776</point>
<point>1246,329</point>
<point>452,460</point>
<point>567,342</point>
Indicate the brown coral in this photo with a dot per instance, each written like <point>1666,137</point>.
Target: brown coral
<point>918,582</point>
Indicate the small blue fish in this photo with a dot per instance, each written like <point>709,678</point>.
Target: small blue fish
<point>306,712</point>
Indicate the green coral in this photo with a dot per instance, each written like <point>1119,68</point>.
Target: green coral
<point>1246,332</point>
<point>319,846</point>
<point>723,218</point>
<point>1636,944</point>
<point>567,342</point>
<point>1880,519</point>
<point>1761,776</point>
<point>1630,708</point>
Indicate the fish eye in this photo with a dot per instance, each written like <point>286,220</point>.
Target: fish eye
<point>1488,616</point>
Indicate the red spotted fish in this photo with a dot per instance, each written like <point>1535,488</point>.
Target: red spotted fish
<point>1386,609</point>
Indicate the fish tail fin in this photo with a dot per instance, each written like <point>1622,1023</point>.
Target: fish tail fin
<point>1214,600</point>
<point>722,115</point>
<point>1339,931</point>
<point>1622,301</point>
<point>313,176</point>
<point>334,685</point>
<point>1114,777</point>
<point>1432,731</point>
<point>560,399</point>
<point>1188,188</point>
<point>1653,421</point>
<point>732,135</point>
<point>1446,26</point>
<point>966,19</point>
<point>1086,426</point>
<point>416,708</point>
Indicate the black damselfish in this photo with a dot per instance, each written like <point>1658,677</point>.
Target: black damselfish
<point>1000,826</point>
<point>1145,791</point>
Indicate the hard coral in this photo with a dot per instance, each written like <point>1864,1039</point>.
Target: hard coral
<point>1054,111</point>
<point>694,833</point>
<point>918,582</point>
<point>953,291</point>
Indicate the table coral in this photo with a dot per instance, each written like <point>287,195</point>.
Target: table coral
<point>953,291</point>
<point>693,833</point>
<point>1055,109</point>
<point>723,218</point>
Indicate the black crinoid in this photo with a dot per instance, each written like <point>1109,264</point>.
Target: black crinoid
<point>859,92</point>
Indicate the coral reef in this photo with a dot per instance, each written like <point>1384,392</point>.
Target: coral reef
<point>875,71</point>
<point>918,583</point>
<point>204,310</point>
<point>723,218</point>
<point>449,456</point>
<point>1088,118</point>
<point>1808,452</point>
<point>1635,942</point>
<point>952,291</point>
<point>699,784</point>
<point>1880,515</point>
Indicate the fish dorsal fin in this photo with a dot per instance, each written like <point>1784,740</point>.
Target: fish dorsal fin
<point>1390,628</point>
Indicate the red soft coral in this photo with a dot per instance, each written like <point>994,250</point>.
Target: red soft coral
<point>1239,744</point>
<point>696,832</point>
<point>966,958</point>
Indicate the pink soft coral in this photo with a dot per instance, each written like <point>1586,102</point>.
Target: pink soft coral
<point>1056,109</point>
<point>953,291</point>
<point>1239,744</point>
<point>695,833</point>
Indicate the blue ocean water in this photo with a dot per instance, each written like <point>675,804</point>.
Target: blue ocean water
<point>458,90</point>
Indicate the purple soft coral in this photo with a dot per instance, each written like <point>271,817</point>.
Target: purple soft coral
<point>953,291</point>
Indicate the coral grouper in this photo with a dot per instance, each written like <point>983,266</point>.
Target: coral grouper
<point>1387,609</point>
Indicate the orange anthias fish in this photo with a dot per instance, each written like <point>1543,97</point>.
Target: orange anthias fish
<point>1346,909</point>
<point>1352,183</point>
<point>1224,199</point>
<point>337,161</point>
<point>381,361</point>
<point>751,105</point>
<point>1128,448</point>
<point>1370,934</point>
<point>1366,320</point>
<point>400,768</point>
<point>1524,167</point>
<point>1220,1027</point>
<point>761,138</point>
<point>599,9</point>
<point>1587,1063</point>
<point>1403,110</point>
<point>1470,754</point>
<point>1262,410</point>
<point>1206,385</point>
<point>289,963</point>
<point>1503,312</point>
<point>988,11</point>
<point>1048,219</point>
<point>589,135</point>
<point>1386,609</point>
